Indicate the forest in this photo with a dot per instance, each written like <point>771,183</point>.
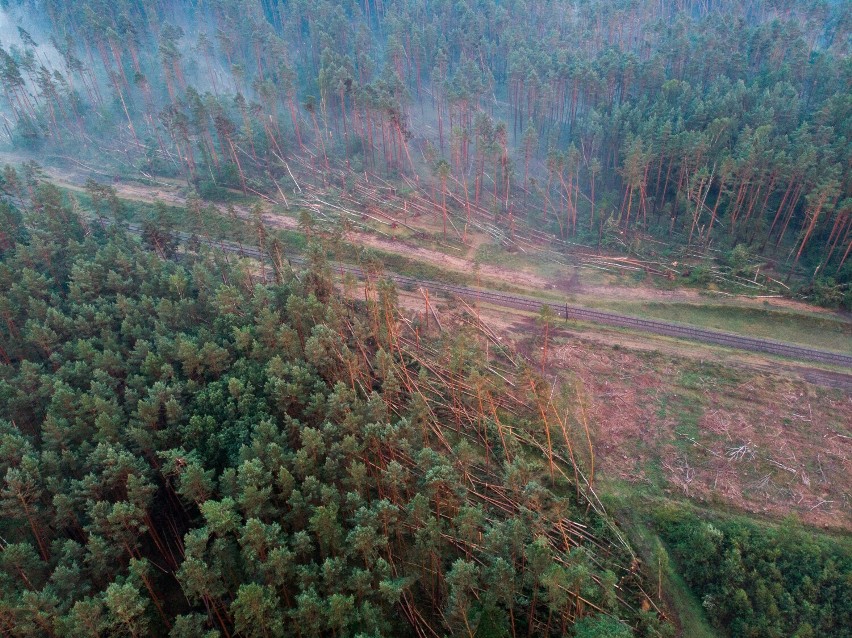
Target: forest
<point>754,583</point>
<point>187,450</point>
<point>193,443</point>
<point>719,127</point>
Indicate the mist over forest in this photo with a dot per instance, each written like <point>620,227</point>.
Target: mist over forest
<point>716,124</point>
<point>219,416</point>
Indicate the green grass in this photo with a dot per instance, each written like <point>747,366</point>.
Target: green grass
<point>399,264</point>
<point>547,265</point>
<point>690,614</point>
<point>686,407</point>
<point>639,512</point>
<point>639,509</point>
<point>636,518</point>
<point>812,329</point>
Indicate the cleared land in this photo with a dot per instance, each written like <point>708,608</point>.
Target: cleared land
<point>760,328</point>
<point>686,420</point>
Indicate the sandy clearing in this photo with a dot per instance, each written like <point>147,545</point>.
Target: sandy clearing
<point>801,461</point>
<point>459,264</point>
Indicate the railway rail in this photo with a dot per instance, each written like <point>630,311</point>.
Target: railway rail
<point>664,328</point>
<point>576,313</point>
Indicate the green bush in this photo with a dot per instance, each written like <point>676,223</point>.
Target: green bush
<point>759,581</point>
<point>210,190</point>
<point>700,275</point>
<point>738,259</point>
<point>601,627</point>
<point>828,293</point>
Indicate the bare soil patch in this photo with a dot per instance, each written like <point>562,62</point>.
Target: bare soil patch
<point>459,264</point>
<point>766,441</point>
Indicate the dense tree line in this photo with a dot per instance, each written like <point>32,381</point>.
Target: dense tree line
<point>713,122</point>
<point>758,581</point>
<point>188,450</point>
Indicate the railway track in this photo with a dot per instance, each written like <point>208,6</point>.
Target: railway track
<point>576,313</point>
<point>664,328</point>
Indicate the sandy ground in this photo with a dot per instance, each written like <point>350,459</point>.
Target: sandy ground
<point>459,264</point>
